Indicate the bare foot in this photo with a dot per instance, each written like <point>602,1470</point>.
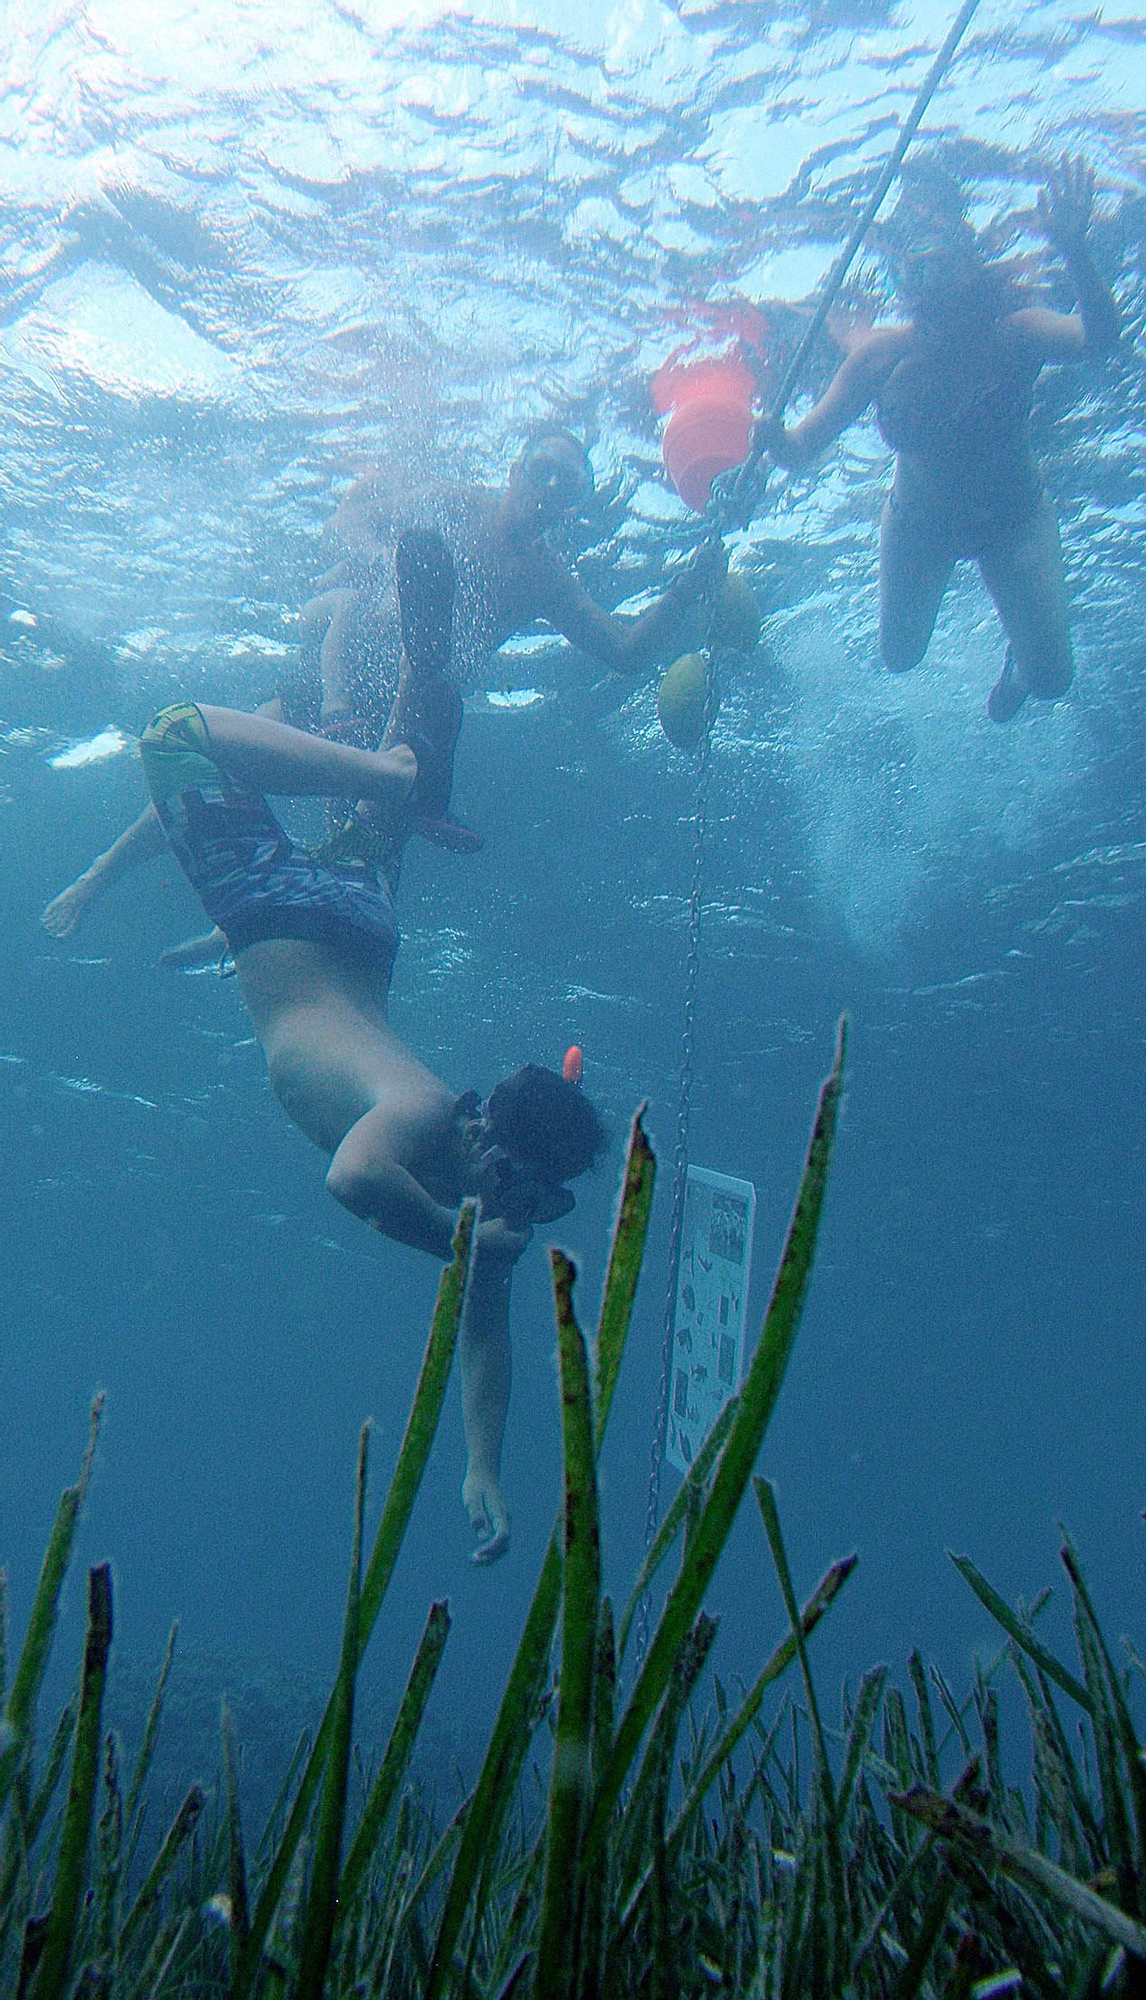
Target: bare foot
<point>65,913</point>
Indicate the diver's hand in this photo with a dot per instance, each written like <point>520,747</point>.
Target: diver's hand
<point>1065,204</point>
<point>66,912</point>
<point>497,1241</point>
<point>481,1497</point>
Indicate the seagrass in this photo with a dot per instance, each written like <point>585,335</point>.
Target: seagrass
<point>672,1838</point>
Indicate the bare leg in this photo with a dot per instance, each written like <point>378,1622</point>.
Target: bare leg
<point>915,567</point>
<point>427,711</point>
<point>1026,581</point>
<point>272,757</point>
<point>206,949</point>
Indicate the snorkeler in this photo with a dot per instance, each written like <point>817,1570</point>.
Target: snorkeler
<point>313,939</point>
<point>952,393</point>
<point>508,578</point>
<point>313,943</point>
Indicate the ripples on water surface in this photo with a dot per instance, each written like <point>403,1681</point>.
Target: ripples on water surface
<point>250,250</point>
<point>247,250</point>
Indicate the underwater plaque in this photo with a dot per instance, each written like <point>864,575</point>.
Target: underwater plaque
<point>711,1299</point>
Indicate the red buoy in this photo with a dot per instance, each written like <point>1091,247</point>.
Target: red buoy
<point>572,1066</point>
<point>710,428</point>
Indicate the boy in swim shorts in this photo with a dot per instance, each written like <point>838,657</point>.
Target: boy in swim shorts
<point>313,938</point>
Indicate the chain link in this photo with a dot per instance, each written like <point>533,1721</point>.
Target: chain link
<point>683,1112</point>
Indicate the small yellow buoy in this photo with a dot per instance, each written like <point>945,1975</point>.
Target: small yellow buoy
<point>737,622</point>
<point>680,701</point>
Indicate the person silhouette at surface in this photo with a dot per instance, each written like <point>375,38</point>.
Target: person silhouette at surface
<point>504,577</point>
<point>952,391</point>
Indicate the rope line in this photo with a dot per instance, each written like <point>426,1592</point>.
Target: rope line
<point>731,505</point>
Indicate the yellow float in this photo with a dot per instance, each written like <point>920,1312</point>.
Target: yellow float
<point>680,701</point>
<point>737,621</point>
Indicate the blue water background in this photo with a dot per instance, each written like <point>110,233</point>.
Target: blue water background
<point>248,252</point>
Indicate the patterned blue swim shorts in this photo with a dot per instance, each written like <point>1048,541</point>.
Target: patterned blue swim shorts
<point>251,879</point>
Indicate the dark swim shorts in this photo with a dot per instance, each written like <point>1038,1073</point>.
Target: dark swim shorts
<point>251,879</point>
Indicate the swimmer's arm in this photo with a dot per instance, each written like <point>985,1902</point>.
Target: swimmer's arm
<point>484,1353</point>
<point>628,645</point>
<point>1064,210</point>
<point>1092,331</point>
<point>139,842</point>
<point>380,1190</point>
<point>851,389</point>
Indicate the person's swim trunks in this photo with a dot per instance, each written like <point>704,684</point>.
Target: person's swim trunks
<point>251,879</point>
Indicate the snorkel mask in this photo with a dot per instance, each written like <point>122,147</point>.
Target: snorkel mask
<point>533,1145</point>
<point>518,1192</point>
<point>557,472</point>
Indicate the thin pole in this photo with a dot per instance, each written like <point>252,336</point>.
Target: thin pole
<point>847,255</point>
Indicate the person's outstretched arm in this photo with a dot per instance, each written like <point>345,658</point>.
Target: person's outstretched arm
<point>629,645</point>
<point>484,1353</point>
<point>847,396</point>
<point>138,843</point>
<point>367,1177</point>
<point>1064,211</point>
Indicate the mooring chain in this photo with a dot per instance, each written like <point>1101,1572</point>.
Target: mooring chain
<point>683,1111</point>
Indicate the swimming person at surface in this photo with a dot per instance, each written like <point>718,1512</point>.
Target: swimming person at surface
<point>507,577</point>
<point>952,394</point>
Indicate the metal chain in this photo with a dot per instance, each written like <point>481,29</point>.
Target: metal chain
<point>683,1111</point>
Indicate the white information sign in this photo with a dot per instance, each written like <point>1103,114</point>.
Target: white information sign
<point>711,1300</point>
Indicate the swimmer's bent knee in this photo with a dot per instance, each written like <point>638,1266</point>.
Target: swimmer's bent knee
<point>899,655</point>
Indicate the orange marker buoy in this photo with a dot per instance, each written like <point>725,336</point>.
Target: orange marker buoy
<point>572,1066</point>
<point>710,426</point>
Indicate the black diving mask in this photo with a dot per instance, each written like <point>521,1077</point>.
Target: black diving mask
<point>518,1192</point>
<point>562,479</point>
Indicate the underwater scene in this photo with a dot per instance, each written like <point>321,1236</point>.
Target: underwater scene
<point>642,503</point>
